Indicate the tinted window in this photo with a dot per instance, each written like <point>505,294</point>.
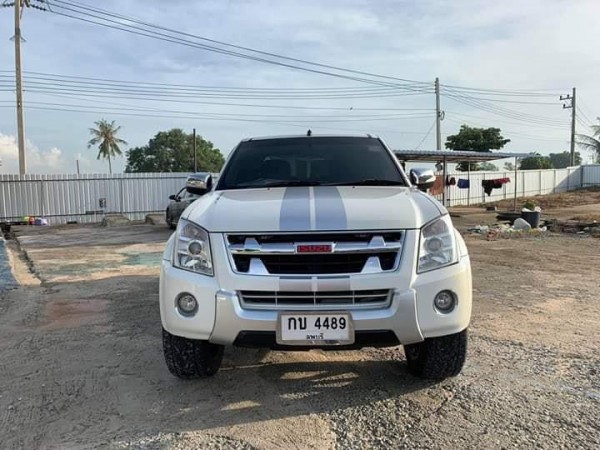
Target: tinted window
<point>314,160</point>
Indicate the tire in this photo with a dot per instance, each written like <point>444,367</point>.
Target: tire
<point>169,220</point>
<point>190,358</point>
<point>439,357</point>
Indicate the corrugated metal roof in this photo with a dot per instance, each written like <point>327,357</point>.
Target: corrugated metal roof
<point>454,155</point>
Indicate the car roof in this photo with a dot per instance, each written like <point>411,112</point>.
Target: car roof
<point>296,136</point>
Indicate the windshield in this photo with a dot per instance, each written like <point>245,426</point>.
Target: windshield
<point>310,161</point>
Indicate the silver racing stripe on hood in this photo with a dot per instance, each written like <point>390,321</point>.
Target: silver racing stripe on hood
<point>319,208</point>
<point>330,212</point>
<point>294,214</point>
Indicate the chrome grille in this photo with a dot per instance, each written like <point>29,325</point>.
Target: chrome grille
<point>363,299</point>
<point>348,253</point>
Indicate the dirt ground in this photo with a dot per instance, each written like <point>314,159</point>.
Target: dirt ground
<point>588,196</point>
<point>82,367</point>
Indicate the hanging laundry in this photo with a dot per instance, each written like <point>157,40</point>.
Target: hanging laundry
<point>497,183</point>
<point>463,184</point>
<point>450,181</point>
<point>438,186</point>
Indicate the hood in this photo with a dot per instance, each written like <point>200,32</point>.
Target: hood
<point>320,208</point>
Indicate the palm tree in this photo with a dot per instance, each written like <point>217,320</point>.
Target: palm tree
<point>105,137</point>
<point>591,142</point>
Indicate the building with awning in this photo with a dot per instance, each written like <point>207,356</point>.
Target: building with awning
<point>455,156</point>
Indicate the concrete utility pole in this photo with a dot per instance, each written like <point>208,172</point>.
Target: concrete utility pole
<point>195,160</point>
<point>438,116</point>
<point>573,107</point>
<point>20,116</point>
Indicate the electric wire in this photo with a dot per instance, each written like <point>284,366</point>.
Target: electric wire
<point>229,45</point>
<point>118,25</point>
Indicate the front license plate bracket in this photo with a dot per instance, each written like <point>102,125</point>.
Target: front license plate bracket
<point>315,328</point>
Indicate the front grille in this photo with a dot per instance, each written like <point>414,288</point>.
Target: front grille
<point>375,298</point>
<point>351,253</point>
<point>320,264</point>
<point>393,236</point>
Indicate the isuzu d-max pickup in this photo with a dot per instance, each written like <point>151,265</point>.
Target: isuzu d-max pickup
<point>315,242</point>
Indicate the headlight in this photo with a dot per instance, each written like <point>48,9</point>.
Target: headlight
<point>437,247</point>
<point>192,248</point>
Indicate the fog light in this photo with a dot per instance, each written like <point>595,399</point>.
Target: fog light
<point>187,305</point>
<point>445,301</point>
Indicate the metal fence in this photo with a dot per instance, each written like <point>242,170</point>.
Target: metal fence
<point>526,182</point>
<point>88,198</point>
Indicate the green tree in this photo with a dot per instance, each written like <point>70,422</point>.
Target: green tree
<point>591,143</point>
<point>509,166</point>
<point>562,160</point>
<point>536,162</point>
<point>475,140</point>
<point>105,137</point>
<point>488,166</point>
<point>173,151</point>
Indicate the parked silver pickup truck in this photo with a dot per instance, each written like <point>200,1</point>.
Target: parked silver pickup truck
<point>315,242</point>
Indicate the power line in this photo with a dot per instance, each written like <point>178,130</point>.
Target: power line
<point>520,102</point>
<point>68,79</point>
<point>226,44</point>
<point>426,135</point>
<point>196,114</point>
<point>248,105</point>
<point>202,92</point>
<point>584,109</point>
<point>152,33</point>
<point>582,123</point>
<point>215,116</point>
<point>481,104</point>
<point>504,112</point>
<point>510,132</point>
<point>283,123</point>
<point>505,92</point>
<point>504,120</point>
<point>585,117</point>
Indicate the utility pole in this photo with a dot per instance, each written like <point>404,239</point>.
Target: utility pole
<point>438,116</point>
<point>19,6</point>
<point>573,107</point>
<point>20,117</point>
<point>195,159</point>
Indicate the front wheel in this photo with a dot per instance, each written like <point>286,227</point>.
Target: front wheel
<point>191,358</point>
<point>439,357</point>
<point>169,220</point>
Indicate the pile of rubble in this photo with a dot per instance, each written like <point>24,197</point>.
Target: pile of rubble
<point>575,226</point>
<point>519,229</point>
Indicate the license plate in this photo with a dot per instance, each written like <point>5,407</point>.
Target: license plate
<point>315,329</point>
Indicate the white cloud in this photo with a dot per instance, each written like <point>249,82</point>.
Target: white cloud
<point>38,161</point>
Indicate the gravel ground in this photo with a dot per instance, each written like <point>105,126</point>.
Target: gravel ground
<point>82,362</point>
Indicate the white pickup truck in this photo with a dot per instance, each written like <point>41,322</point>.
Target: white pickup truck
<point>315,242</point>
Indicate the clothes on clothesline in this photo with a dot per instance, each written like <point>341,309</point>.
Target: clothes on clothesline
<point>450,181</point>
<point>438,186</point>
<point>497,183</point>
<point>463,184</point>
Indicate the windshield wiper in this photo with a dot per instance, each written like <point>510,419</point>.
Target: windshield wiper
<point>370,182</point>
<point>291,183</point>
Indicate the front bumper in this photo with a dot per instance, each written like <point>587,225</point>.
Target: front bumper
<point>411,316</point>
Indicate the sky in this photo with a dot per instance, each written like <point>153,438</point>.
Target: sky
<point>536,50</point>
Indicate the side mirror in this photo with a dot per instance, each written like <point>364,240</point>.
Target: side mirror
<point>422,178</point>
<point>173,197</point>
<point>199,183</point>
